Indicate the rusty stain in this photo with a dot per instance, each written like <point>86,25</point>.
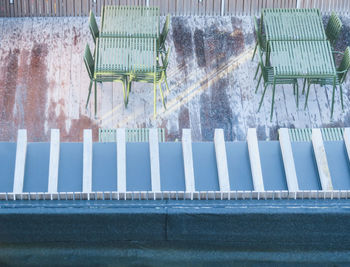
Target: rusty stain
<point>75,132</point>
<point>37,88</point>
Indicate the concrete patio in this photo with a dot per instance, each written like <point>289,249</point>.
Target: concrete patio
<point>44,84</point>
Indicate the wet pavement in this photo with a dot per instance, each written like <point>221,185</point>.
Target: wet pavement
<point>44,84</point>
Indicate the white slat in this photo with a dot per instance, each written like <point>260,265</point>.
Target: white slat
<point>346,137</point>
<point>221,160</point>
<point>254,157</point>
<point>288,160</point>
<point>188,160</point>
<point>321,160</point>
<point>87,162</point>
<point>21,152</point>
<point>154,159</point>
<point>54,160</point>
<point>121,160</point>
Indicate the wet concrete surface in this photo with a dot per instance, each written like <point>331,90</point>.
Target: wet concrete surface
<point>44,84</point>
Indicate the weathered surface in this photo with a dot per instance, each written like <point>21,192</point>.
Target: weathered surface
<point>44,84</point>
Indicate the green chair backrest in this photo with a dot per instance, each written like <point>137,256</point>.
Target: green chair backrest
<point>344,65</point>
<point>93,26</point>
<point>165,30</point>
<point>89,61</point>
<point>333,28</point>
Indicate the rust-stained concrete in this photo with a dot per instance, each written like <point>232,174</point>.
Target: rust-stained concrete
<point>44,84</point>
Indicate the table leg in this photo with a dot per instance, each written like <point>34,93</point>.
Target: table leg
<point>155,95</point>
<point>95,99</point>
<point>307,94</point>
<point>273,98</point>
<point>87,101</point>
<point>262,97</point>
<point>304,86</point>
<point>341,97</point>
<point>333,97</point>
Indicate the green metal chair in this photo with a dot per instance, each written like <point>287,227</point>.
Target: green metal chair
<point>342,70</point>
<point>93,26</point>
<point>164,34</point>
<point>269,79</point>
<point>90,67</point>
<point>333,28</point>
<point>260,40</point>
<point>156,78</point>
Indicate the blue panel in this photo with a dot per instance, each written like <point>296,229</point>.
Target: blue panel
<point>36,175</point>
<point>70,174</point>
<point>338,163</point>
<point>272,165</point>
<point>138,168</point>
<point>205,169</point>
<point>305,164</point>
<point>172,175</point>
<point>239,166</point>
<point>7,166</point>
<point>104,167</point>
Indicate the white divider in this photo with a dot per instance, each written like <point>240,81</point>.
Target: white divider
<point>121,160</point>
<point>188,160</point>
<point>21,152</point>
<point>54,161</point>
<point>321,160</point>
<point>221,160</point>
<point>346,136</point>
<point>254,157</point>
<point>87,162</point>
<point>288,160</point>
<point>154,159</point>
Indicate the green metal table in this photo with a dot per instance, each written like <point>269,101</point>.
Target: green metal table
<point>116,56</point>
<point>293,24</point>
<point>126,57</point>
<point>130,21</point>
<point>302,59</point>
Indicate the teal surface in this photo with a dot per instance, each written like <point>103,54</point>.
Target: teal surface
<point>305,165</point>
<point>37,167</point>
<point>138,170</point>
<point>272,165</point>
<point>70,167</point>
<point>204,165</point>
<point>172,174</point>
<point>7,166</point>
<point>338,164</point>
<point>238,166</point>
<point>104,167</point>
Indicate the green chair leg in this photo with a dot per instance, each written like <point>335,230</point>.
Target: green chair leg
<point>256,46</point>
<point>293,88</point>
<point>161,94</point>
<point>307,95</point>
<point>166,84</point>
<point>273,100</point>
<point>333,93</point>
<point>296,83</point>
<point>154,99</point>
<point>262,97</point>
<point>341,97</point>
<point>87,101</point>
<point>257,70</point>
<point>95,98</point>
<point>124,89</point>
<point>304,86</point>
<point>126,101</point>
<point>257,86</point>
